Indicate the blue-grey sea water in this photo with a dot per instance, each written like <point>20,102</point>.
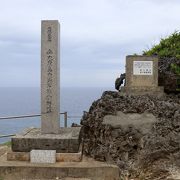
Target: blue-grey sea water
<point>16,101</point>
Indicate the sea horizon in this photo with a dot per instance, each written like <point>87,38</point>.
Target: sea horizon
<point>17,101</point>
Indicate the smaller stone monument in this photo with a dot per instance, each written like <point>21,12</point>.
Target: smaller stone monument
<point>142,76</point>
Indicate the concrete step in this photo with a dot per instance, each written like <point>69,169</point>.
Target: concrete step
<point>88,169</point>
<point>67,178</point>
<point>60,157</point>
<point>67,141</point>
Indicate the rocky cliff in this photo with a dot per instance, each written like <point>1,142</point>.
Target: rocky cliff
<point>141,134</point>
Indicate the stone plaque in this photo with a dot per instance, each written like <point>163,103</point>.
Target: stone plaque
<point>50,80</point>
<point>143,67</point>
<point>142,76</point>
<point>43,156</point>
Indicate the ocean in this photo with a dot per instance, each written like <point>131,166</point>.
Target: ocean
<point>17,101</point>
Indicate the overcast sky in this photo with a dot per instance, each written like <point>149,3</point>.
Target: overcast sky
<point>96,36</point>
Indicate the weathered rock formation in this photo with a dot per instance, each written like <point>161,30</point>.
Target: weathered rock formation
<point>141,134</point>
<point>169,77</point>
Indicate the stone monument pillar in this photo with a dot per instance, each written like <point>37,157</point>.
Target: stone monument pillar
<point>43,144</point>
<point>50,101</point>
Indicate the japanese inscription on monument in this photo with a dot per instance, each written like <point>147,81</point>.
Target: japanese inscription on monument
<point>50,77</point>
<point>143,67</point>
<point>49,81</point>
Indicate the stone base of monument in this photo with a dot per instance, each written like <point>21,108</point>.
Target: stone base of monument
<point>87,169</point>
<point>137,90</point>
<point>67,141</point>
<point>59,157</point>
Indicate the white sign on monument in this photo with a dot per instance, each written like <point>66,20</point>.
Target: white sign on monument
<point>43,156</point>
<point>143,68</point>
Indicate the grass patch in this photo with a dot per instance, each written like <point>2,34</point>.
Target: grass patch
<point>8,143</point>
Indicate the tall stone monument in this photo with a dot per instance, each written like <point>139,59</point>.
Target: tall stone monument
<point>50,138</point>
<point>142,76</point>
<point>50,105</point>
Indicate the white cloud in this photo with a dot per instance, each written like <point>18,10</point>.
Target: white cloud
<point>94,36</point>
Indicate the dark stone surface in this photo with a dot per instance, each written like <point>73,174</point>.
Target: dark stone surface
<point>167,77</point>
<point>66,141</point>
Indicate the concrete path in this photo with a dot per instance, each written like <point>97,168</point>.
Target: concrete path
<point>88,169</point>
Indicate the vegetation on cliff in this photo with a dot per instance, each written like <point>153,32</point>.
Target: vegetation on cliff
<point>167,48</point>
<point>168,51</point>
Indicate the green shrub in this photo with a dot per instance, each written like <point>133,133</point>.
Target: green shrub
<point>168,47</point>
<point>175,68</point>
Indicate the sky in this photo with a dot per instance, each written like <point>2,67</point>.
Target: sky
<point>95,37</point>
